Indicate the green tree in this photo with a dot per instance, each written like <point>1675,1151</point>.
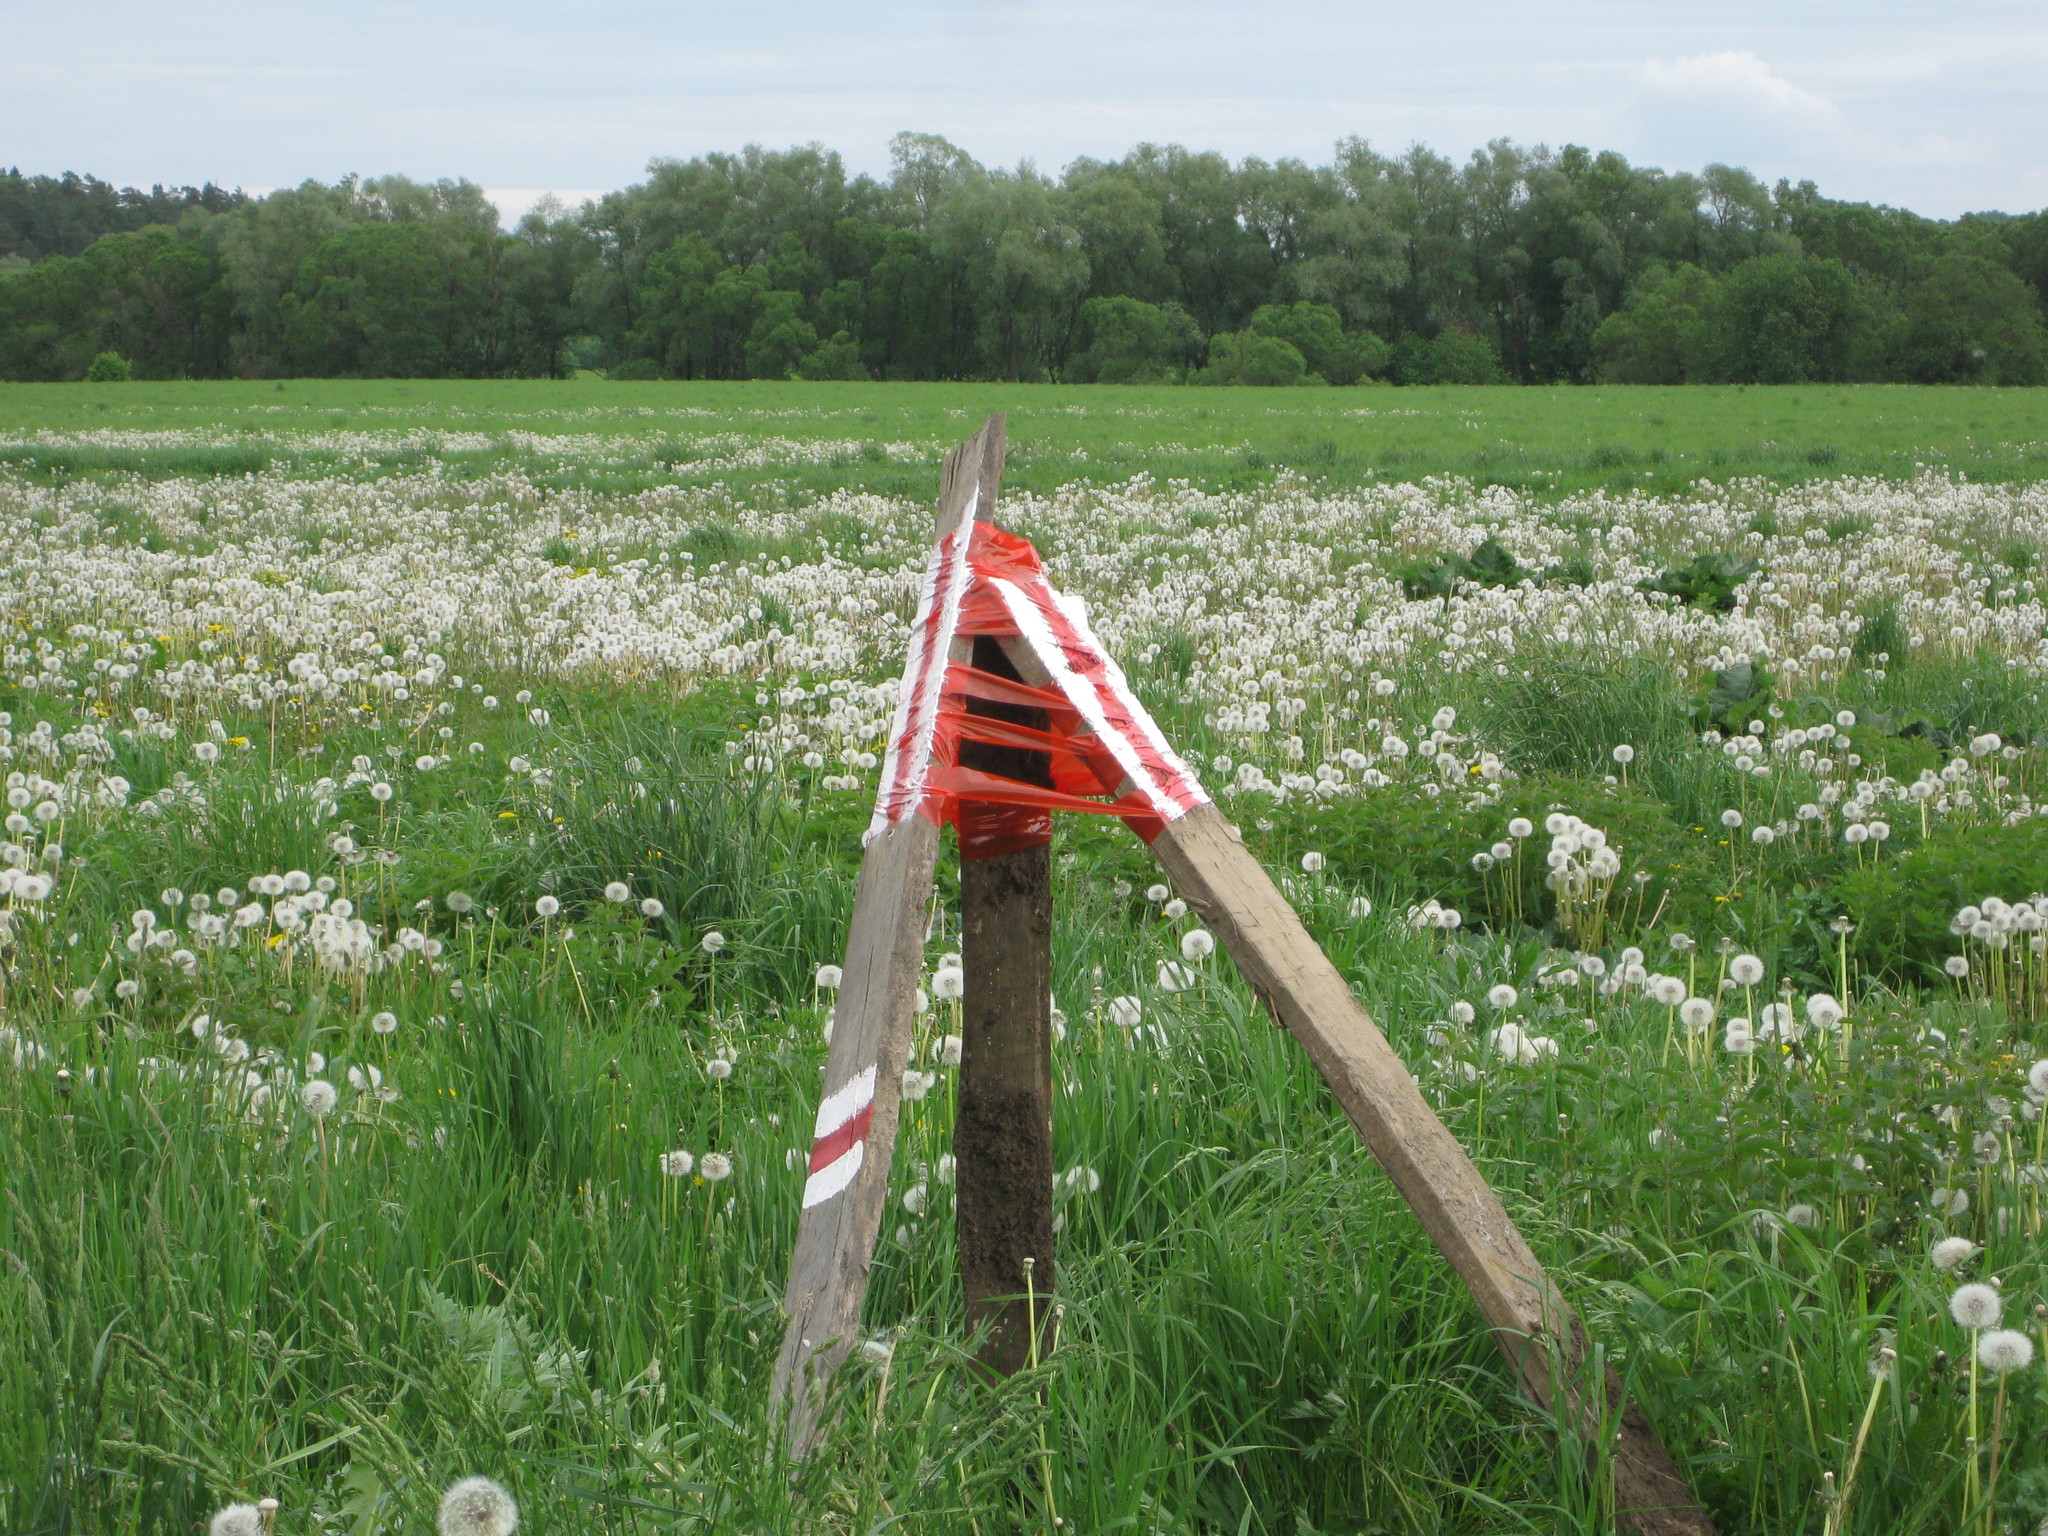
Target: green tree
<point>780,337</point>
<point>1314,330</point>
<point>1788,319</point>
<point>1658,336</point>
<point>1967,320</point>
<point>1245,357</point>
<point>837,359</point>
<point>109,368</point>
<point>1133,342</point>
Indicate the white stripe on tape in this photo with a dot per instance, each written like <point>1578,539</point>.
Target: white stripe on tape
<point>1081,694</point>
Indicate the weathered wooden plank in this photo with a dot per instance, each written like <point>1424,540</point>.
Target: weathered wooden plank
<point>1532,1321</point>
<point>1002,1132</point>
<point>856,1133</point>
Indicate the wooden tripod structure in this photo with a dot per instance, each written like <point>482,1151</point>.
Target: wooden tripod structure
<point>1007,692</point>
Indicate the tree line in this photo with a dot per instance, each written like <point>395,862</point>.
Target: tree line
<point>1522,264</point>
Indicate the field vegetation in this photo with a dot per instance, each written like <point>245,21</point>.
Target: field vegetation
<point>429,808</point>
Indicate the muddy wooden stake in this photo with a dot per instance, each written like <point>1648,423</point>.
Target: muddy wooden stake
<point>1002,1131</point>
<point>1003,1142</point>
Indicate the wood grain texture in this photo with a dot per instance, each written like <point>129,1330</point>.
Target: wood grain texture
<point>835,1241</point>
<point>1002,1133</point>
<point>1532,1321</point>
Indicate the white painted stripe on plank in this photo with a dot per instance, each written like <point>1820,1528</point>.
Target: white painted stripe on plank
<point>845,1101</point>
<point>835,1176</point>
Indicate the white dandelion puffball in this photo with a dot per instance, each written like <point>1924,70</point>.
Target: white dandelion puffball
<point>460,902</point>
<point>1822,1011</point>
<point>617,890</point>
<point>1521,827</point>
<point>1737,1039</point>
<point>1361,906</point>
<point>718,1069</point>
<point>677,1165</point>
<point>1696,1013</point>
<point>476,1506</point>
<point>1156,894</point>
<point>1731,819</point>
<point>237,1520</point>
<point>1957,966</point>
<point>385,1023</point>
<point>1198,944</point>
<point>1746,970</point>
<point>829,977</point>
<point>1503,996</point>
<point>2004,1350</point>
<point>712,942</point>
<point>1976,1306</point>
<point>948,1051</point>
<point>2037,1077</point>
<point>1951,1253</point>
<point>1463,1012</point>
<point>1668,990</point>
<point>1125,1011</point>
<point>715,1166</point>
<point>915,1199</point>
<point>319,1098</point>
<point>1624,754</point>
<point>650,906</point>
<point>547,906</point>
<point>917,1084</point>
<point>1311,863</point>
<point>1174,910</point>
<point>949,983</point>
<point>877,1350</point>
<point>1174,977</point>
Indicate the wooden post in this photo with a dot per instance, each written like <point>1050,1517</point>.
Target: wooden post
<point>1002,1134</point>
<point>856,1134</point>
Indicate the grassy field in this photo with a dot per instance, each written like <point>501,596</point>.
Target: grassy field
<point>1534,440</point>
<point>1687,839</point>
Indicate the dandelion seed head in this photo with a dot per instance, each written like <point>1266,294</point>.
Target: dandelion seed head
<point>617,891</point>
<point>2005,1350</point>
<point>476,1506</point>
<point>677,1165</point>
<point>319,1098</point>
<point>236,1519</point>
<point>547,906</point>
<point>715,1166</point>
<point>712,942</point>
<point>384,1023</point>
<point>1976,1306</point>
<point>650,906</point>
<point>1951,1253</point>
<point>829,978</point>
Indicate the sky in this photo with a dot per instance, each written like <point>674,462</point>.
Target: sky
<point>1934,107</point>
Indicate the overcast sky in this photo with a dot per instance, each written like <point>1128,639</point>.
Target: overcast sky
<point>1939,107</point>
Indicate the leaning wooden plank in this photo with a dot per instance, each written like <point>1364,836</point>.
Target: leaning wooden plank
<point>1002,1132</point>
<point>1533,1322</point>
<point>855,1137</point>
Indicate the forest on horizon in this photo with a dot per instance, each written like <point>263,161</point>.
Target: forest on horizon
<point>1523,265</point>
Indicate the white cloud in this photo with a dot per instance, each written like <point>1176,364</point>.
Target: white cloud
<point>1733,107</point>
